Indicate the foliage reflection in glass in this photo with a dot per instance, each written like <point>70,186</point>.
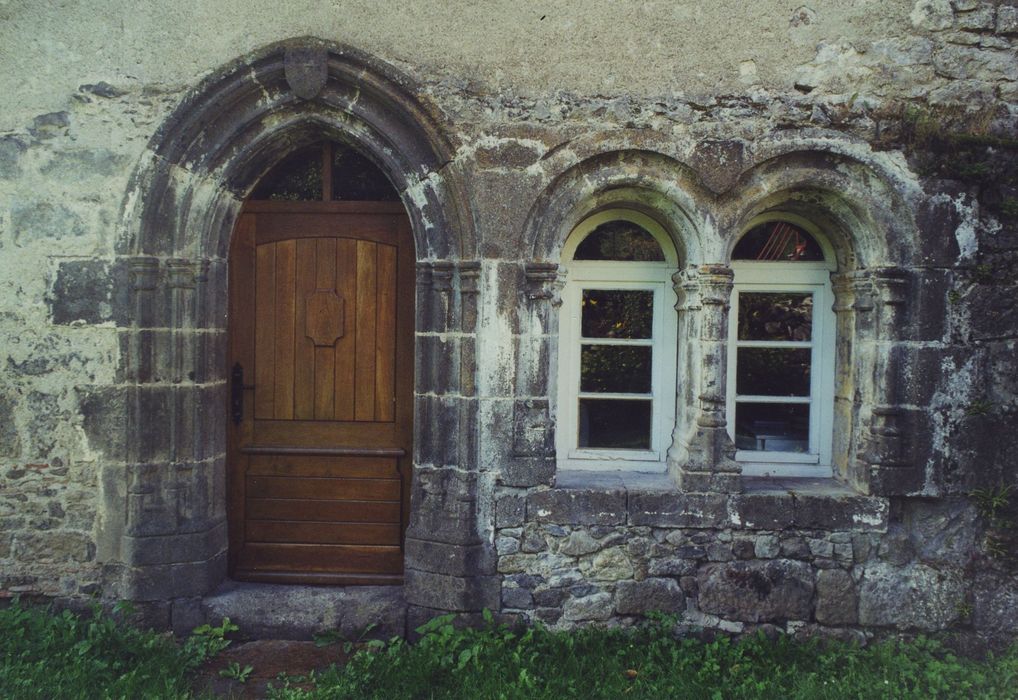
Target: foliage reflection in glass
<point>775,316</point>
<point>614,424</point>
<point>615,369</point>
<point>617,313</point>
<point>773,372</point>
<point>620,240</point>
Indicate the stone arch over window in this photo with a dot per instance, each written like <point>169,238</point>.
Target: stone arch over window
<point>646,183</point>
<point>163,536</point>
<point>856,212</point>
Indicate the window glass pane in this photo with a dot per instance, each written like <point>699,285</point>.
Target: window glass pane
<point>769,316</point>
<point>615,368</point>
<point>778,241</point>
<point>617,313</point>
<point>614,424</point>
<point>354,177</point>
<point>619,240</point>
<point>772,427</point>
<point>298,177</point>
<point>773,372</point>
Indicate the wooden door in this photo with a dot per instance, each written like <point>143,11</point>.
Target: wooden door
<point>321,351</point>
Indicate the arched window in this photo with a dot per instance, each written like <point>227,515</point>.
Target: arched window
<point>616,390</point>
<point>782,350</point>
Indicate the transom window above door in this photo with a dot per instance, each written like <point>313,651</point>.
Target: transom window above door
<point>617,344</point>
<point>326,171</point>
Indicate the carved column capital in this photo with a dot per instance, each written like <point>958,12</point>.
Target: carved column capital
<point>544,282</point>
<point>686,285</point>
<point>143,273</point>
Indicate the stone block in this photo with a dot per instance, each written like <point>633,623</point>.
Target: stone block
<point>510,511</point>
<point>274,611</point>
<point>578,543</point>
<point>914,597</point>
<point>33,221</point>
<point>827,512</point>
<point>10,441</point>
<point>517,598</point>
<point>612,564</point>
<point>671,509</point>
<point>837,601</point>
<point>577,507</point>
<point>755,591</point>
<point>452,593</point>
<point>444,507</point>
<point>995,603</point>
<point>528,471</point>
<point>173,549</point>
<point>649,595</point>
<point>450,559</point>
<point>761,511</point>
<point>167,581</point>
<point>82,292</point>
<point>1007,19</point>
<point>596,607</point>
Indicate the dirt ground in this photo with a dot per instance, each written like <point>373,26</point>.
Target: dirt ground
<point>268,658</point>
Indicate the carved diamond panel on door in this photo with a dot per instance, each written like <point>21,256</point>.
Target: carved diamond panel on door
<point>321,316</point>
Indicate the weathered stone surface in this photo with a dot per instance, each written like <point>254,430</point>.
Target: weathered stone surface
<point>778,589</point>
<point>454,593</point>
<point>910,597</point>
<point>669,509</point>
<point>33,221</point>
<point>450,559</point>
<point>10,441</point>
<point>11,149</point>
<point>593,607</point>
<point>299,612</point>
<point>519,598</point>
<point>611,564</point>
<point>577,507</point>
<point>83,291</point>
<point>837,601</point>
<point>578,543</point>
<point>840,512</point>
<point>995,602</point>
<point>510,511</point>
<point>649,595</point>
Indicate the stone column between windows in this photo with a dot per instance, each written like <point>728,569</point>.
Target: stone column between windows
<point>702,457</point>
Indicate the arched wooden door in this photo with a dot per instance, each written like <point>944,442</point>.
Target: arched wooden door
<point>321,351</point>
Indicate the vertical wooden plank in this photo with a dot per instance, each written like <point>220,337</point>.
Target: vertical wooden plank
<point>285,318</point>
<point>385,345</point>
<point>304,348</point>
<point>325,358</point>
<point>346,350</point>
<point>265,312</point>
<point>367,303</point>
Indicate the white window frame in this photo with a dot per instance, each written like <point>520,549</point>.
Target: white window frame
<point>592,275</point>
<point>793,277</point>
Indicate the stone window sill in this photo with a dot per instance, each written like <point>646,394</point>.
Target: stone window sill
<point>621,498</point>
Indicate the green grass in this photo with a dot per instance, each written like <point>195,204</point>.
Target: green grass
<point>62,655</point>
<point>46,654</point>
<point>650,663</point>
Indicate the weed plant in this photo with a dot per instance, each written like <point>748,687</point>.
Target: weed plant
<point>648,662</point>
<point>61,655</point>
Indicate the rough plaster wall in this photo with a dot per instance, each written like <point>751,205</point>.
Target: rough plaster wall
<point>640,48</point>
<point>85,88</point>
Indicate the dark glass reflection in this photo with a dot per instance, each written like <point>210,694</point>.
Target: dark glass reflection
<point>775,316</point>
<point>614,424</point>
<point>618,369</point>
<point>619,240</point>
<point>617,313</point>
<point>354,177</point>
<point>778,241</point>
<point>772,427</point>
<point>773,372</point>
<point>298,177</point>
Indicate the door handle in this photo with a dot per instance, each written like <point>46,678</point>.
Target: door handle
<point>237,387</point>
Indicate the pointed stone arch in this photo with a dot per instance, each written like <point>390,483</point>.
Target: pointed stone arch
<point>163,534</point>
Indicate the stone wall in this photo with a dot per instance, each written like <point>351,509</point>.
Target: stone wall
<point>891,127</point>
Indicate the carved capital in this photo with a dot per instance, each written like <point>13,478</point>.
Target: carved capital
<point>144,273</point>
<point>544,282</point>
<point>469,275</point>
<point>715,284</point>
<point>185,274</point>
<point>442,272</point>
<point>687,289</point>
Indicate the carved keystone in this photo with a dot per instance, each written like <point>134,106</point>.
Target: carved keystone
<point>324,318</point>
<point>306,71</point>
